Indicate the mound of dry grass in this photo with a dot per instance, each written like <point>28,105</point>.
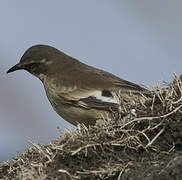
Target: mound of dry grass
<point>147,146</point>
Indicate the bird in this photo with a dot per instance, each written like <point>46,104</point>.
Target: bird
<point>79,93</point>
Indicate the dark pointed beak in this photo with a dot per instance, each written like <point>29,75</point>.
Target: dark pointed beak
<point>15,68</point>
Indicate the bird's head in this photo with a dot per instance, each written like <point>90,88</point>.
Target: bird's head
<point>37,60</point>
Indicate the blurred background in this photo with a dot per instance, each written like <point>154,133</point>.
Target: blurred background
<point>138,40</point>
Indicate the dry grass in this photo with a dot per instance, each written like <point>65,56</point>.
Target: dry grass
<point>146,146</point>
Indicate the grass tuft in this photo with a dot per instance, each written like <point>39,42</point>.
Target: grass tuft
<point>145,145</point>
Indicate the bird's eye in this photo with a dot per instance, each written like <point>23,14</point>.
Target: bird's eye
<point>32,67</point>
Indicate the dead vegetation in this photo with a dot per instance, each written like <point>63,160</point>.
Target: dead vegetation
<point>147,146</point>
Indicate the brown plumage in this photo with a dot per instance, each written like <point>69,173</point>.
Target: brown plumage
<point>79,93</point>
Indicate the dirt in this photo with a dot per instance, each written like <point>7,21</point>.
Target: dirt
<point>146,147</point>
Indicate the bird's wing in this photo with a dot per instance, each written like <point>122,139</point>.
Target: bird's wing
<point>97,99</point>
<point>94,88</point>
<point>129,86</point>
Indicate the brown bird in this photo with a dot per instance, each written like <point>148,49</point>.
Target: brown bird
<point>78,92</point>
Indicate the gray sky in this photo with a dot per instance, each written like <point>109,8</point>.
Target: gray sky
<point>137,40</point>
